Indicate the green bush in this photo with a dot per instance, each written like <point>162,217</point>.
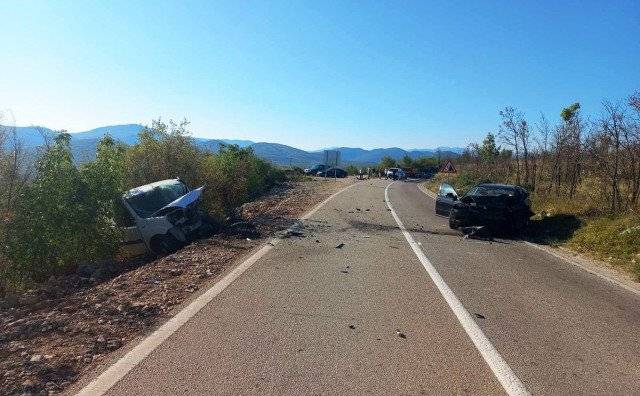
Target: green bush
<point>164,151</point>
<point>231,177</point>
<point>65,214</point>
<point>234,176</point>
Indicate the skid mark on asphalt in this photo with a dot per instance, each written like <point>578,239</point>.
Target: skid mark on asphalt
<point>507,378</point>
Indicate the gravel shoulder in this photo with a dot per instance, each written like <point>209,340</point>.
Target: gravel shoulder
<point>55,333</point>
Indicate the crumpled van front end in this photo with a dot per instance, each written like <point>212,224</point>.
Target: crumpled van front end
<point>166,214</point>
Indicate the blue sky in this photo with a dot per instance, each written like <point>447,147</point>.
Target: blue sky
<point>318,73</point>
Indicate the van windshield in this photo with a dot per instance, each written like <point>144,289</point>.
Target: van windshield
<point>147,200</point>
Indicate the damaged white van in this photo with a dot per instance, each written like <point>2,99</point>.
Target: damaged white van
<point>163,215</point>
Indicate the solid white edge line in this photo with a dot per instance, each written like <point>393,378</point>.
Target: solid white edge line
<point>108,378</point>
<point>507,378</point>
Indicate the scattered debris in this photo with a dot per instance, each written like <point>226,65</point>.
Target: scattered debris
<point>479,316</point>
<point>295,231</point>
<point>344,272</point>
<point>352,327</point>
<point>245,229</point>
<point>340,245</point>
<point>400,334</point>
<point>317,241</point>
<point>477,232</point>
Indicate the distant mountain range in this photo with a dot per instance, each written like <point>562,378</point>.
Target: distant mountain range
<point>84,145</point>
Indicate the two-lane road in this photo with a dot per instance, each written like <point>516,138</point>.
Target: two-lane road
<point>310,317</point>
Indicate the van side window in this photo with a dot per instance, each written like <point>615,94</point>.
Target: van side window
<point>122,216</point>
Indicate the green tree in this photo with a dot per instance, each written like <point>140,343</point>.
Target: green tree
<point>569,113</point>
<point>424,164</point>
<point>387,162</point>
<point>164,151</point>
<point>489,151</point>
<point>59,221</point>
<point>406,162</point>
<point>352,169</point>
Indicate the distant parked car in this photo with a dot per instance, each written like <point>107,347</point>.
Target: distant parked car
<point>410,172</point>
<point>333,172</point>
<point>392,173</point>
<point>500,207</point>
<point>163,215</point>
<point>315,169</point>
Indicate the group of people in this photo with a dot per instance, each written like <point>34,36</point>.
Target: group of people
<point>369,173</point>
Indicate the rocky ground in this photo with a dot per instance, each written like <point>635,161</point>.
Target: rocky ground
<point>51,335</point>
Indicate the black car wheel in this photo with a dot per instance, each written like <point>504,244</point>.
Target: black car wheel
<point>162,245</point>
<point>453,223</point>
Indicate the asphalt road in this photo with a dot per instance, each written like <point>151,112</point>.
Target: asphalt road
<point>311,318</point>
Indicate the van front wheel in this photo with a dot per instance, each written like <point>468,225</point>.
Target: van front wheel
<point>161,245</point>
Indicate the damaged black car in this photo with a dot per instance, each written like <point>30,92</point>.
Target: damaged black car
<point>502,208</point>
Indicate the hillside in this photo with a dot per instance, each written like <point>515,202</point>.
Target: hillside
<point>84,144</point>
<point>285,155</point>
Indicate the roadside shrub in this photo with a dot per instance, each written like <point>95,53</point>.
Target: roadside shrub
<point>64,215</point>
<point>295,174</point>
<point>164,151</point>
<point>352,170</point>
<point>234,176</point>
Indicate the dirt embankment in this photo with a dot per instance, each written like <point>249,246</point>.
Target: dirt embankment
<point>51,335</point>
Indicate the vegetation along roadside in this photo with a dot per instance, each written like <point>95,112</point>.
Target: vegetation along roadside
<point>56,215</point>
<point>583,175</point>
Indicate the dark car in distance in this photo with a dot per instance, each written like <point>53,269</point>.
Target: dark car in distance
<point>333,172</point>
<point>315,169</point>
<point>499,207</point>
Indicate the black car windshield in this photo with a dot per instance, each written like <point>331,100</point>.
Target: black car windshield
<point>492,191</point>
<point>446,189</point>
<point>147,200</point>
